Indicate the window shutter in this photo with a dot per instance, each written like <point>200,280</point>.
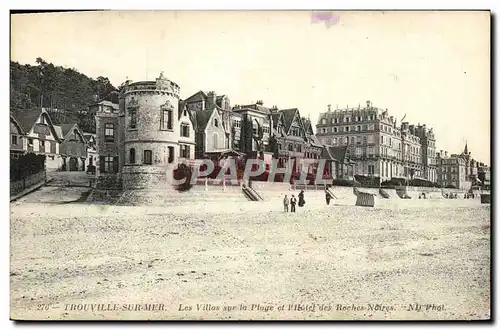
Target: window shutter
<point>115,164</point>
<point>101,164</point>
<point>170,119</point>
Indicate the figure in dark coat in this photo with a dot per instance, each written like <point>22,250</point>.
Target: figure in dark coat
<point>301,198</point>
<point>328,197</point>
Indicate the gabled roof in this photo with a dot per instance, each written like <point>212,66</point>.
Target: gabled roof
<point>338,152</point>
<point>326,154</point>
<point>202,119</point>
<point>68,128</point>
<point>198,96</point>
<point>276,117</point>
<point>59,131</point>
<point>182,105</point>
<point>28,117</point>
<point>17,123</point>
<point>308,126</point>
<point>288,115</point>
<point>88,136</point>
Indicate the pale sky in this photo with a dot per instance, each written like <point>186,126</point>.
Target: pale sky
<point>432,66</point>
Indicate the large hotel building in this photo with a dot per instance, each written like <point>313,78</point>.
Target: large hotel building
<point>379,146</point>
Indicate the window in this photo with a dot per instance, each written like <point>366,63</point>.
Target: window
<point>299,148</point>
<point>323,130</point>
<point>170,155</point>
<point>185,130</point>
<point>109,132</point>
<point>216,122</point>
<point>335,129</point>
<point>370,151</point>
<point>371,169</point>
<point>333,121</point>
<point>132,156</point>
<point>381,139</point>
<point>334,141</point>
<point>184,151</point>
<point>30,142</point>
<point>166,117</point>
<point>42,145</point>
<point>280,146</point>
<point>290,147</point>
<point>347,128</point>
<point>148,157</point>
<point>109,165</point>
<point>336,120</point>
<point>358,128</point>
<point>352,140</point>
<point>184,112</point>
<point>358,139</point>
<point>132,114</point>
<point>364,139</point>
<point>13,139</point>
<point>323,121</point>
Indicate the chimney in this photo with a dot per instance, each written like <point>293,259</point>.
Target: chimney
<point>260,102</point>
<point>211,98</point>
<point>368,104</point>
<point>329,107</point>
<point>446,153</point>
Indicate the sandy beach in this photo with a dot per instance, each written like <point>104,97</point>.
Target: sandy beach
<point>405,260</point>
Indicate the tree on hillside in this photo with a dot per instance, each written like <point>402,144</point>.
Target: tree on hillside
<point>56,87</point>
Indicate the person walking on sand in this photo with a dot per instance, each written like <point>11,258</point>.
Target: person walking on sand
<point>328,197</point>
<point>293,201</point>
<point>285,203</point>
<point>302,201</point>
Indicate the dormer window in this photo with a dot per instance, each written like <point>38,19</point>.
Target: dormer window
<point>216,122</point>
<point>184,130</point>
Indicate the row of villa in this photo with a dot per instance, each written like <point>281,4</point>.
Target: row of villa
<point>152,129</point>
<point>65,146</point>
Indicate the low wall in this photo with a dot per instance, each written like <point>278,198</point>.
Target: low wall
<point>25,183</point>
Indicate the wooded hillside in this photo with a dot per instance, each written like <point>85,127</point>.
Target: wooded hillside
<point>56,87</point>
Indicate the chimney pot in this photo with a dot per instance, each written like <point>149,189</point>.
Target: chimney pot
<point>329,107</point>
<point>368,104</point>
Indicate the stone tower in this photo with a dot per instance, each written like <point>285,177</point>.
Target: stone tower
<point>150,132</point>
